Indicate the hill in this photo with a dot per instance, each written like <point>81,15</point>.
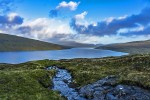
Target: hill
<point>137,47</point>
<point>15,43</point>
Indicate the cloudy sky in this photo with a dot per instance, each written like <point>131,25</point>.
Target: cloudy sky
<point>83,21</point>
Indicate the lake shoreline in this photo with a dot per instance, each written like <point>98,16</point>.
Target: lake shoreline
<point>25,56</point>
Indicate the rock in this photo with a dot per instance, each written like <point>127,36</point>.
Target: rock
<point>72,85</point>
<point>66,81</point>
<point>87,91</point>
<point>110,80</point>
<point>98,95</point>
<point>99,89</point>
<point>105,89</point>
<point>122,90</point>
<point>110,96</point>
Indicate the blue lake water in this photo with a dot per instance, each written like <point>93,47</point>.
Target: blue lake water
<point>24,56</point>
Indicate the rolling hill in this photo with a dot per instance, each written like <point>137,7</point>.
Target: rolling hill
<point>137,47</point>
<point>15,43</point>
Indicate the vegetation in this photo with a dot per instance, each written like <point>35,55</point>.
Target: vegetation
<point>131,70</point>
<point>30,80</point>
<point>27,81</point>
<point>15,43</point>
<point>138,47</point>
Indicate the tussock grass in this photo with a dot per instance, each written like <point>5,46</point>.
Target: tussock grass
<point>27,81</point>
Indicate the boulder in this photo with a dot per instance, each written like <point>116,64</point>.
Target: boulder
<point>107,89</point>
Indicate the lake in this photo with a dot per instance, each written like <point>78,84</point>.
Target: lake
<point>24,56</point>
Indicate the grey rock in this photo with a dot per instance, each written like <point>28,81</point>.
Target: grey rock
<point>105,89</point>
<point>99,95</point>
<point>110,96</point>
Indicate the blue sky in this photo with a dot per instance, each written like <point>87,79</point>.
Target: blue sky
<point>97,9</point>
<point>94,21</point>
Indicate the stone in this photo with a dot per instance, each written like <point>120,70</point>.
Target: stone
<point>105,89</point>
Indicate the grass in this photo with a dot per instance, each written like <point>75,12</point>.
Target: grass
<point>26,81</point>
<point>131,70</point>
<point>30,80</point>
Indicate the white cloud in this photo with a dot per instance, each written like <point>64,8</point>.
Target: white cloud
<point>70,5</point>
<point>63,6</point>
<point>87,39</point>
<point>2,31</point>
<point>11,16</point>
<point>94,24</point>
<point>91,39</point>
<point>44,28</point>
<point>123,17</point>
<point>81,16</point>
<point>109,20</point>
<point>48,29</point>
<point>51,29</point>
<point>128,30</point>
<point>80,19</point>
<point>122,39</point>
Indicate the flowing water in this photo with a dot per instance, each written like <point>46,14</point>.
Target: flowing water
<point>96,90</point>
<point>61,83</point>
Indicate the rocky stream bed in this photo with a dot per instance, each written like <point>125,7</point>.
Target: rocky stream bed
<point>104,89</point>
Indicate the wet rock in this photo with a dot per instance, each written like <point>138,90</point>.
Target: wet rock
<point>110,80</point>
<point>66,81</point>
<point>72,85</point>
<point>105,89</point>
<point>98,95</point>
<point>87,91</point>
<point>110,96</point>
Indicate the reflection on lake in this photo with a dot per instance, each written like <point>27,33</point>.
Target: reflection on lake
<point>24,56</point>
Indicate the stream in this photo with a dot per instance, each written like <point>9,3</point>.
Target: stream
<point>61,82</point>
<point>104,89</point>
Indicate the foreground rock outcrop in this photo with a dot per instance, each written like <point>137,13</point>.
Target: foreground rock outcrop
<point>106,89</point>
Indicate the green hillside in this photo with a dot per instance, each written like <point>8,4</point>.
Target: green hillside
<point>15,43</point>
<point>137,47</point>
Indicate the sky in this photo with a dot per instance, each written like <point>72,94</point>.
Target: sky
<point>83,21</point>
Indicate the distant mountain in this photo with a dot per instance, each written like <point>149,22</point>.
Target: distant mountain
<point>77,44</point>
<point>15,43</point>
<point>137,47</point>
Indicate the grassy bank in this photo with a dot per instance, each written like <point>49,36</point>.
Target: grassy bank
<point>26,81</point>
